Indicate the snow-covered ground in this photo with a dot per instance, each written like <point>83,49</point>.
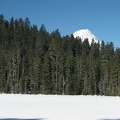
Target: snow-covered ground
<point>56,107</point>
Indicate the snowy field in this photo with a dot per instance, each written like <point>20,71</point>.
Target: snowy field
<point>56,107</point>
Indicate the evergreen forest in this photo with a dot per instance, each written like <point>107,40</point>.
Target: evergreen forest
<point>34,61</point>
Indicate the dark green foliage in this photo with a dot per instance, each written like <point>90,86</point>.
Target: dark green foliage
<point>33,61</point>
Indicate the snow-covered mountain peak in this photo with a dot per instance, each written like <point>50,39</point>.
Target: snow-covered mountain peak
<point>86,34</point>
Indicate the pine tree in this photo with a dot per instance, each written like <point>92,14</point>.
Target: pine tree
<point>46,87</point>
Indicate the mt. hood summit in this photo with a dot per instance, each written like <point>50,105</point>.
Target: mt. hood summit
<point>86,34</point>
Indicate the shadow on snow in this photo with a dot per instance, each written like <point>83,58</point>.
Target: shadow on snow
<point>111,119</point>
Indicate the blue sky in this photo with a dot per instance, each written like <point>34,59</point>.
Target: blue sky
<point>102,17</point>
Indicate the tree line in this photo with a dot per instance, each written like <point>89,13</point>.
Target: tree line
<point>34,61</point>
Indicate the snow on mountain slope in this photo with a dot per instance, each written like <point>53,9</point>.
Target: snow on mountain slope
<point>86,34</point>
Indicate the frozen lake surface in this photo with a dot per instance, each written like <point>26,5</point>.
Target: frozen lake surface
<point>57,107</point>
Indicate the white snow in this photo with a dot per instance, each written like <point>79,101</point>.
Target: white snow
<point>57,107</point>
<point>86,34</point>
